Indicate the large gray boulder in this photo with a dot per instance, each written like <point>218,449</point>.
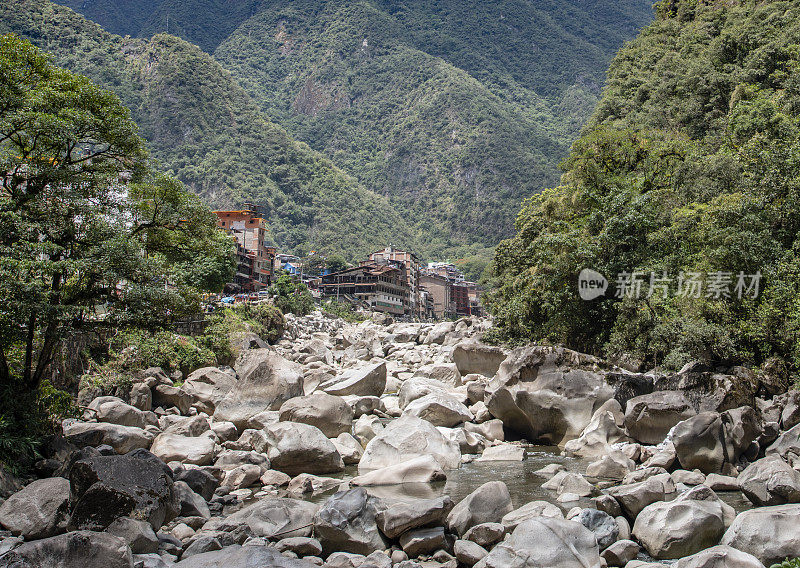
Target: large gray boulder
<point>407,438</point>
<point>401,517</point>
<point>266,381</point>
<point>650,417</point>
<point>700,444</point>
<point>788,442</point>
<point>116,411</point>
<point>472,357</point>
<point>681,527</point>
<point>272,517</point>
<point>770,481</point>
<point>296,448</point>
<point>331,414</point>
<point>422,469</point>
<point>634,497</point>
<point>546,542</point>
<point>207,387</point>
<point>197,450</point>
<point>440,410</point>
<point>79,549</point>
<point>720,556</point>
<point>122,438</point>
<point>489,503</point>
<point>547,394</point>
<point>369,380</point>
<point>136,485</point>
<point>603,525</point>
<point>40,510</point>
<point>347,523</point>
<point>418,387</point>
<point>237,556</point>
<point>139,535</point>
<point>602,432</point>
<point>529,511</point>
<point>768,533</point>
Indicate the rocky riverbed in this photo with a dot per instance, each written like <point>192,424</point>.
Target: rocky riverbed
<point>394,444</point>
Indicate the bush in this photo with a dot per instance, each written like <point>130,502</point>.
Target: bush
<point>343,310</point>
<point>794,563</point>
<point>137,349</point>
<point>25,421</point>
<point>228,324</point>
<point>291,297</point>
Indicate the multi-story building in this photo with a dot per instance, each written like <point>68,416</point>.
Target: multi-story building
<point>255,259</point>
<point>412,266</point>
<point>446,270</point>
<point>441,291</point>
<point>461,299</point>
<point>381,287</point>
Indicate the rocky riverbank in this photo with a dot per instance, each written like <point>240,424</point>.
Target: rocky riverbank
<point>295,458</point>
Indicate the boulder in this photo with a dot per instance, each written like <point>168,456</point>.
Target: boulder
<point>172,447</point>
<point>528,511</point>
<point>486,534</point>
<point>40,510</point>
<point>544,394</point>
<point>207,387</point>
<point>141,397</point>
<point>190,426</point>
<point>419,387</point>
<point>681,527</point>
<point>770,481</point>
<point>569,482</point>
<point>614,465</point>
<point>368,380</point>
<point>503,452</point>
<point>300,545</point>
<point>472,357</point>
<point>492,430</point>
<point>699,443</point>
<point>136,485</point>
<point>540,543</point>
<point>445,372</point>
<point>199,481</point>
<point>401,517</point>
<point>422,469</point>
<point>167,396</point>
<point>274,517</point>
<point>487,504</point>
<point>307,483</point>
<point>8,483</point>
<point>634,497</point>
<point>468,552</point>
<point>79,549</point>
<point>190,504</point>
<point>439,332</point>
<point>407,438</point>
<point>601,433</point>
<point>115,411</point>
<point>768,533</point>
<point>301,448</point>
<point>709,390</point>
<point>237,556</point>
<point>331,414</point>
<point>362,405</point>
<point>348,447</point>
<point>650,417</point>
<point>422,541</point>
<point>603,525</point>
<point>439,409</point>
<point>620,553</point>
<point>122,438</point>
<point>139,535</point>
<point>347,523</point>
<point>720,556</point>
<point>788,442</point>
<point>266,381</point>
<point>790,417</point>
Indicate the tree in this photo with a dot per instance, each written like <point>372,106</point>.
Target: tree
<point>90,234</point>
<point>291,297</point>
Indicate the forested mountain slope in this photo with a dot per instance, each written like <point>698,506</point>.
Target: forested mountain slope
<point>455,110</point>
<point>205,128</point>
<point>689,166</point>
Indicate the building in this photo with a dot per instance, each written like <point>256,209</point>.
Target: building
<point>460,295</point>
<point>255,260</point>
<point>446,270</point>
<point>441,291</point>
<point>412,266</point>
<point>381,287</point>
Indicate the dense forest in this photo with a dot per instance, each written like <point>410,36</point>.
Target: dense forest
<point>206,130</point>
<point>688,170</point>
<point>455,111</point>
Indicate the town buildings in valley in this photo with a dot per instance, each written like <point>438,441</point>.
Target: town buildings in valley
<point>255,260</point>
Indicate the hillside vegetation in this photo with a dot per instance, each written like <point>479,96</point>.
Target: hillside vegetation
<point>455,111</point>
<point>204,128</point>
<point>689,165</point>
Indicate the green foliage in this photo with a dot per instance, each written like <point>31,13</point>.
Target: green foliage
<point>26,418</point>
<point>343,310</point>
<point>136,350</point>
<point>205,130</point>
<point>794,563</point>
<point>291,297</point>
<point>228,324</point>
<point>689,164</point>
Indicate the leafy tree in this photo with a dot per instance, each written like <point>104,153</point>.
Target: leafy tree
<point>90,236</point>
<point>291,297</point>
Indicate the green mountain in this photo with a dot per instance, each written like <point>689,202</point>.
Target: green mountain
<point>688,170</point>
<point>203,127</point>
<point>454,110</point>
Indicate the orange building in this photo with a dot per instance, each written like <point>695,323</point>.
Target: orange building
<point>255,259</point>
